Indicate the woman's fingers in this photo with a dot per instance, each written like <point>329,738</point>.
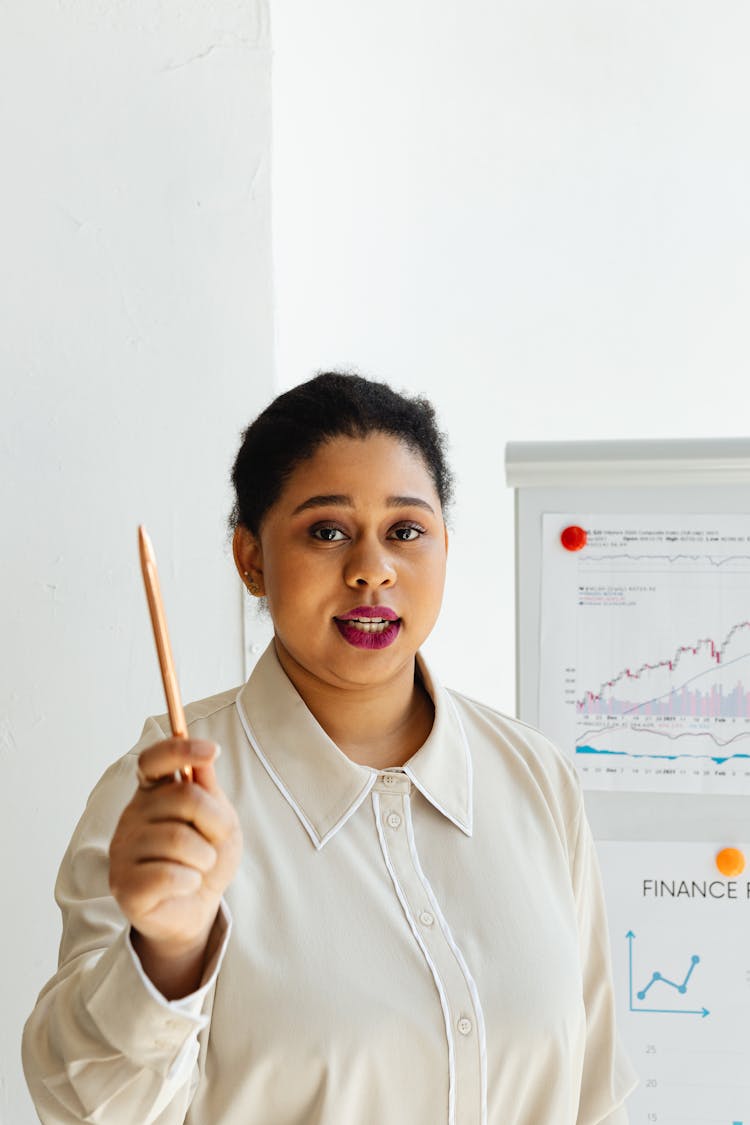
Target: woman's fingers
<point>204,775</point>
<point>174,842</point>
<point>149,885</point>
<point>165,759</point>
<point>176,846</point>
<point>209,813</point>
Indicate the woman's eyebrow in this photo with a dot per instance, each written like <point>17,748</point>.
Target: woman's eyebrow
<point>340,500</point>
<point>409,502</point>
<point>335,500</point>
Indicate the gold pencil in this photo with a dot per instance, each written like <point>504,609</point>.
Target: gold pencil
<point>163,647</point>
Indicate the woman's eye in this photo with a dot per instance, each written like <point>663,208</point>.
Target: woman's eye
<point>328,534</point>
<point>408,533</point>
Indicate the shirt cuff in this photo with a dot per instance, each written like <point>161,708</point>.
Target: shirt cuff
<point>192,1004</point>
<point>133,1016</point>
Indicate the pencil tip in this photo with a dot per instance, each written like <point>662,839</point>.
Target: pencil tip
<point>144,541</point>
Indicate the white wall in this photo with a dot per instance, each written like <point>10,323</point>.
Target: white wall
<point>136,344</point>
<point>536,212</point>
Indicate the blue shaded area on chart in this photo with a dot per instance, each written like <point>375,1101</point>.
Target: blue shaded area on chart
<point>718,760</point>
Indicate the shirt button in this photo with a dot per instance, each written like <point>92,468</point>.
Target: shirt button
<point>388,779</point>
<point>464,1025</point>
<point>394,819</point>
<point>426,918</point>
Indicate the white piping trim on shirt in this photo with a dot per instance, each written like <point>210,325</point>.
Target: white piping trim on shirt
<point>469,763</point>
<point>462,964</point>
<point>428,959</point>
<point>316,838</point>
<point>469,826</point>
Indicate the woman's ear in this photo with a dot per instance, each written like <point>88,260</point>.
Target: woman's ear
<point>248,558</point>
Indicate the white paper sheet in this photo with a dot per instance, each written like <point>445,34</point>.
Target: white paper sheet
<point>645,650</point>
<point>680,936</point>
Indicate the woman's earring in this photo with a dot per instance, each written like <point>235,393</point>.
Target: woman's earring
<point>251,584</point>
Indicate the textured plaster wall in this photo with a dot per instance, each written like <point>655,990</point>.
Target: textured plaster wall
<point>136,342</point>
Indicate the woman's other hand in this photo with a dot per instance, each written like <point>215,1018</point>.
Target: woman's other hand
<point>174,851</point>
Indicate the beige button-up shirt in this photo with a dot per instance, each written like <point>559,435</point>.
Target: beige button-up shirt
<point>418,946</point>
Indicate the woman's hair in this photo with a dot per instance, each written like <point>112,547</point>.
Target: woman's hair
<point>331,405</point>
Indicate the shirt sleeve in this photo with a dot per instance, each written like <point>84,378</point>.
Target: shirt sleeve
<point>608,1076</point>
<point>102,1044</point>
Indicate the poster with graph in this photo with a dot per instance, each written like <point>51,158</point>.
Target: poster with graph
<point>680,938</point>
<point>645,650</point>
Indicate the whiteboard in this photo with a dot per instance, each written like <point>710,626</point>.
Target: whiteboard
<point>678,477</point>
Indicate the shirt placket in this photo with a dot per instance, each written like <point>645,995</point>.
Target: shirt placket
<point>462,1012</point>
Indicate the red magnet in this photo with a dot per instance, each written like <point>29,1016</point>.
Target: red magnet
<point>573,538</point>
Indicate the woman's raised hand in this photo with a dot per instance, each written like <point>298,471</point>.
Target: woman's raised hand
<point>174,851</point>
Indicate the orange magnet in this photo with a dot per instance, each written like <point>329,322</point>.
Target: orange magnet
<point>730,862</point>
<point>573,538</point>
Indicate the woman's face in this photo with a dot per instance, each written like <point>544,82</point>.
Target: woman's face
<point>351,558</point>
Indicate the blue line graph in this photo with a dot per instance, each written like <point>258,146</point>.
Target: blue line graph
<point>658,978</point>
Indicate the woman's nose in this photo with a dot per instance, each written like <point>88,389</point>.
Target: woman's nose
<point>369,564</point>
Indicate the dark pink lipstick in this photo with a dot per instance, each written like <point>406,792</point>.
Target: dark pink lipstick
<point>369,626</point>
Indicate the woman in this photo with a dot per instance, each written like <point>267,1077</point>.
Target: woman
<point>381,904</point>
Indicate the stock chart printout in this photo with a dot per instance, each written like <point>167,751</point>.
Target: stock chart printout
<point>680,938</point>
<point>645,649</point>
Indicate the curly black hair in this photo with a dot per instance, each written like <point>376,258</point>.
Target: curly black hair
<point>333,404</point>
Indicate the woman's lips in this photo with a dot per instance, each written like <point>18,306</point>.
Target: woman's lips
<point>362,612</point>
<point>369,626</point>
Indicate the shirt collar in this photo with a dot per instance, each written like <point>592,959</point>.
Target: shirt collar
<point>321,784</point>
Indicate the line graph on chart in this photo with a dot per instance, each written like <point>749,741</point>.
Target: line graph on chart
<point>645,672</point>
<point>693,704</point>
<point>664,987</point>
<point>664,562</point>
<point>682,698</point>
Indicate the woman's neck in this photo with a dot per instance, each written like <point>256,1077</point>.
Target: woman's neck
<point>377,725</point>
